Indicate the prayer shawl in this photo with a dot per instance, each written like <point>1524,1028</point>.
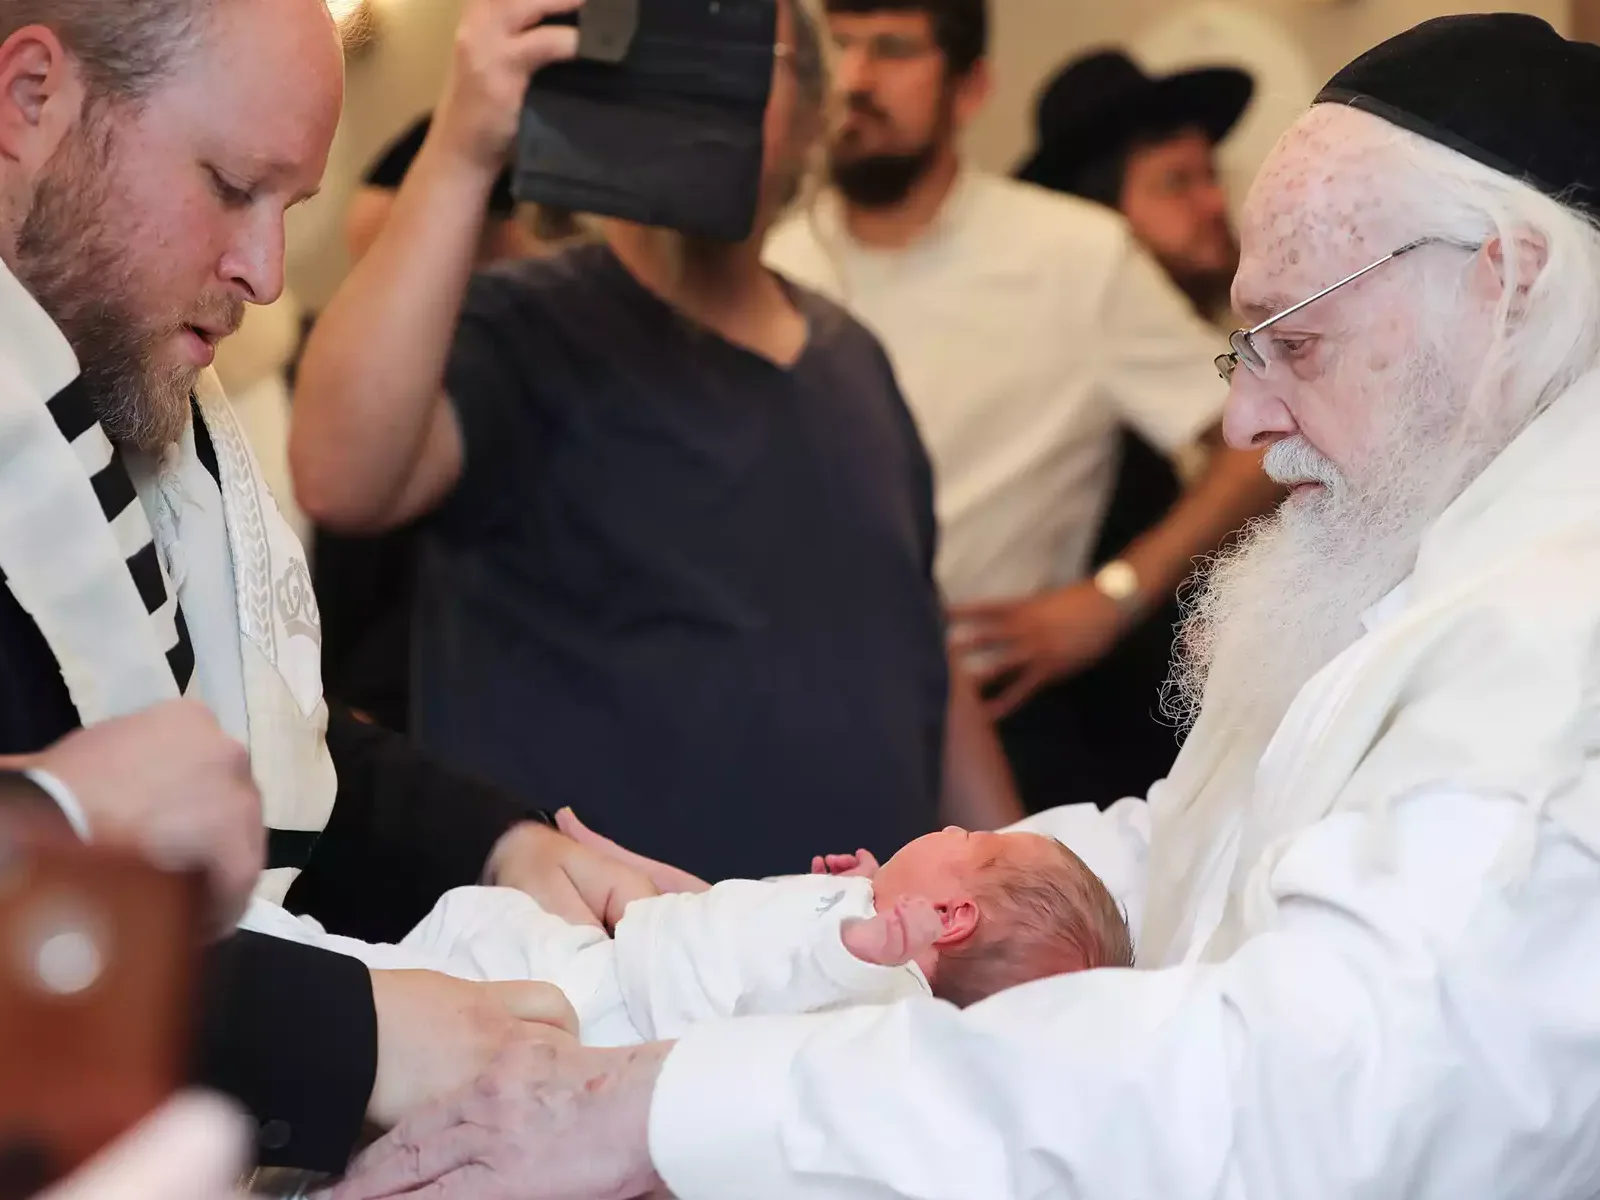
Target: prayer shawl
<point>1484,679</point>
<point>77,552</point>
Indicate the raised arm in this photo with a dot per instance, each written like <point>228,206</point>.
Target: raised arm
<point>375,441</point>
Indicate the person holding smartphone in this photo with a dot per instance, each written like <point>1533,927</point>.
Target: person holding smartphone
<point>679,535</point>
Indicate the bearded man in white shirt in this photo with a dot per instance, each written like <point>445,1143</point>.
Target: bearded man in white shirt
<point>1027,329</point>
<point>1373,899</point>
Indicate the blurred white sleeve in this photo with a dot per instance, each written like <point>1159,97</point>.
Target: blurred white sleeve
<point>1158,357</point>
<point>748,948</point>
<point>196,1148</point>
<point>65,800</point>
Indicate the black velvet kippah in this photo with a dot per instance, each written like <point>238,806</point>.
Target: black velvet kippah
<point>1502,88</point>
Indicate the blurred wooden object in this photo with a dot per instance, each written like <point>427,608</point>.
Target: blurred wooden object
<point>98,966</point>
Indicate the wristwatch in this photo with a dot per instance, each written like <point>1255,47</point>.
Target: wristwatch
<point>1118,582</point>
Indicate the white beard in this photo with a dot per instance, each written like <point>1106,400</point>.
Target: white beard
<point>1289,598</point>
<point>1277,608</point>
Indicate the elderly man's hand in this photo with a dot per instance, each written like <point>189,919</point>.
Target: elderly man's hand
<point>549,1120</point>
<point>1026,644</point>
<point>171,785</point>
<point>437,1033</point>
<point>573,881</point>
<point>664,877</point>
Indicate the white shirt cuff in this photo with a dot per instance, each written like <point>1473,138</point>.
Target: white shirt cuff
<point>65,801</point>
<point>716,1117</point>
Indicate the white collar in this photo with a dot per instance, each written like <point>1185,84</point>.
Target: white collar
<point>31,342</point>
<point>1388,608</point>
<point>829,218</point>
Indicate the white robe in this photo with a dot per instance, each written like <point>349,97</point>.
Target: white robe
<point>1374,971</point>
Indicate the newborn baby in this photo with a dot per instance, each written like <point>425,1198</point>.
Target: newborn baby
<point>959,915</point>
<point>981,912</point>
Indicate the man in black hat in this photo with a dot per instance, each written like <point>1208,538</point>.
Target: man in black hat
<point>1367,940</point>
<point>1145,146</point>
<point>1026,329</point>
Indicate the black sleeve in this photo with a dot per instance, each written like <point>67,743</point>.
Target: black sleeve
<point>291,1033</point>
<point>404,831</point>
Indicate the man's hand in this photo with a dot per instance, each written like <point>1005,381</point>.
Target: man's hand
<point>860,865</point>
<point>437,1033</point>
<point>1030,643</point>
<point>500,45</point>
<point>549,1120</point>
<point>572,881</point>
<point>896,937</point>
<point>170,785</point>
<point>663,877</point>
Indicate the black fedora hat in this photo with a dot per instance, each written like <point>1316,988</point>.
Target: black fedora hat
<point>1099,102</point>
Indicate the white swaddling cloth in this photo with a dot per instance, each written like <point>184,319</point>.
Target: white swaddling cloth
<point>745,947</point>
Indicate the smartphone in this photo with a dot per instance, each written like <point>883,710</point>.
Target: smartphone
<point>660,118</point>
<point>99,955</point>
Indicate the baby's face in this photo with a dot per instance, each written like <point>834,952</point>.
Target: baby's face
<point>941,866</point>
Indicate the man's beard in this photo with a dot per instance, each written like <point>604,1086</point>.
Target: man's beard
<point>883,180</point>
<point>877,181</point>
<point>1290,596</point>
<point>72,262</point>
<point>1209,289</point>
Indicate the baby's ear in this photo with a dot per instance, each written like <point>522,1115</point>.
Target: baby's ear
<point>960,919</point>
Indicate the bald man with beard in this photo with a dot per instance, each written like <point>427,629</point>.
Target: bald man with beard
<point>1371,886</point>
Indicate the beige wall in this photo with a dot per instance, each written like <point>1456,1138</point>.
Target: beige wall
<point>387,87</point>
<point>400,76</point>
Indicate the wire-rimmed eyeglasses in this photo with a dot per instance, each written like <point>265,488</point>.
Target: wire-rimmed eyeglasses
<point>1241,342</point>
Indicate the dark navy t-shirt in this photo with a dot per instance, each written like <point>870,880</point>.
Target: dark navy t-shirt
<point>680,588</point>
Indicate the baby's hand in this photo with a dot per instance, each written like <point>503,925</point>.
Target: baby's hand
<point>860,865</point>
<point>893,938</point>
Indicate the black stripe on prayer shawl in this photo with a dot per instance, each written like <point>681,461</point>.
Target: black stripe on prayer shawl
<point>74,415</point>
<point>114,487</point>
<point>181,657</point>
<point>146,571</point>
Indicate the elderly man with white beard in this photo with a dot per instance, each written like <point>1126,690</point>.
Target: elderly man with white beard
<point>1367,954</point>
